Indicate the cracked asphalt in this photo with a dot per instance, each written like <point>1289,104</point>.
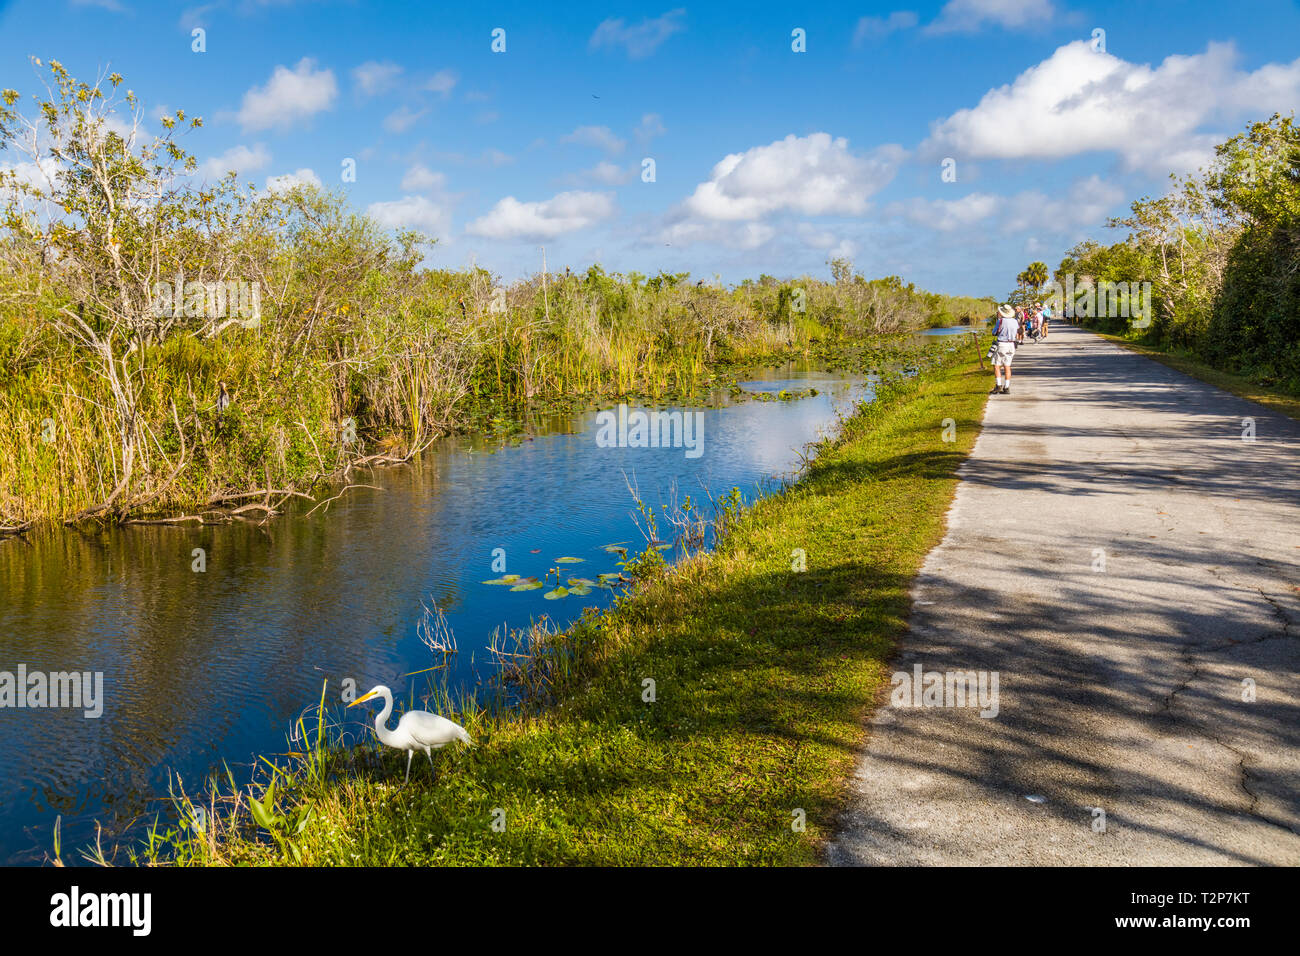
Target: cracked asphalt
<point>1130,568</point>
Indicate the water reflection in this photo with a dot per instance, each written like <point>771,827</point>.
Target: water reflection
<point>201,667</point>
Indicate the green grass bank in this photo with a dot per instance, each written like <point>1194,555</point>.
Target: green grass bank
<point>762,677</point>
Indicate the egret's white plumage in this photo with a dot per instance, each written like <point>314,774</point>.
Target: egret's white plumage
<point>416,730</point>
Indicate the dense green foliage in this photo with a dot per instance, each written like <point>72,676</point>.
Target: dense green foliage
<point>1222,254</point>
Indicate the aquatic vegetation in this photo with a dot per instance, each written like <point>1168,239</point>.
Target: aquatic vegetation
<point>784,395</point>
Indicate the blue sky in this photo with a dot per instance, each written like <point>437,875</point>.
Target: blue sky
<point>765,159</point>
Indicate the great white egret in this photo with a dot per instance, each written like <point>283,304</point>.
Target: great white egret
<point>417,730</point>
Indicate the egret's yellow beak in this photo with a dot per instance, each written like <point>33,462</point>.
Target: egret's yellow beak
<point>362,699</point>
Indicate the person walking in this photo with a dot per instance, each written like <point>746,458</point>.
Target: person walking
<point>1005,331</point>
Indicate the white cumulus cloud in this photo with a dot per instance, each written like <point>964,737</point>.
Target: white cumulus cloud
<point>564,213</point>
<point>1079,101</point>
<point>289,96</point>
<point>299,177</point>
<point>412,212</point>
<point>812,175</point>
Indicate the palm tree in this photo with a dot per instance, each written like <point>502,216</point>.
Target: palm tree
<point>1036,275</point>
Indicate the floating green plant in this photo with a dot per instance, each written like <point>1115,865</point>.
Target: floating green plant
<point>556,593</point>
<point>569,560</point>
<point>528,584</point>
<point>505,579</point>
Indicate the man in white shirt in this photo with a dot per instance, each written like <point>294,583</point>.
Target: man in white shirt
<point>1005,329</point>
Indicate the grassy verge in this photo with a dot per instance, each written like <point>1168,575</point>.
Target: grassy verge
<point>1279,400</point>
<point>762,677</point>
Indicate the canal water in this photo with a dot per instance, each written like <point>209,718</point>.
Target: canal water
<point>207,666</point>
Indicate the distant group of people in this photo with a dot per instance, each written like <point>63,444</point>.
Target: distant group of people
<point>1033,322</point>
<point>1010,329</point>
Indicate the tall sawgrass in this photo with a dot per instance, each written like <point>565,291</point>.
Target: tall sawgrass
<point>421,356</point>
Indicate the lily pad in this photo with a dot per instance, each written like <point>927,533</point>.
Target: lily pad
<point>569,560</point>
<point>504,579</point>
<point>582,582</point>
<point>528,584</point>
<point>617,548</point>
<point>580,590</point>
<point>555,594</point>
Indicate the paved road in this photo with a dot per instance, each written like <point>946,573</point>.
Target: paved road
<point>1119,689</point>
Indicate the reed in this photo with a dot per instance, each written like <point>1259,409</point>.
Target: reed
<point>357,332</point>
